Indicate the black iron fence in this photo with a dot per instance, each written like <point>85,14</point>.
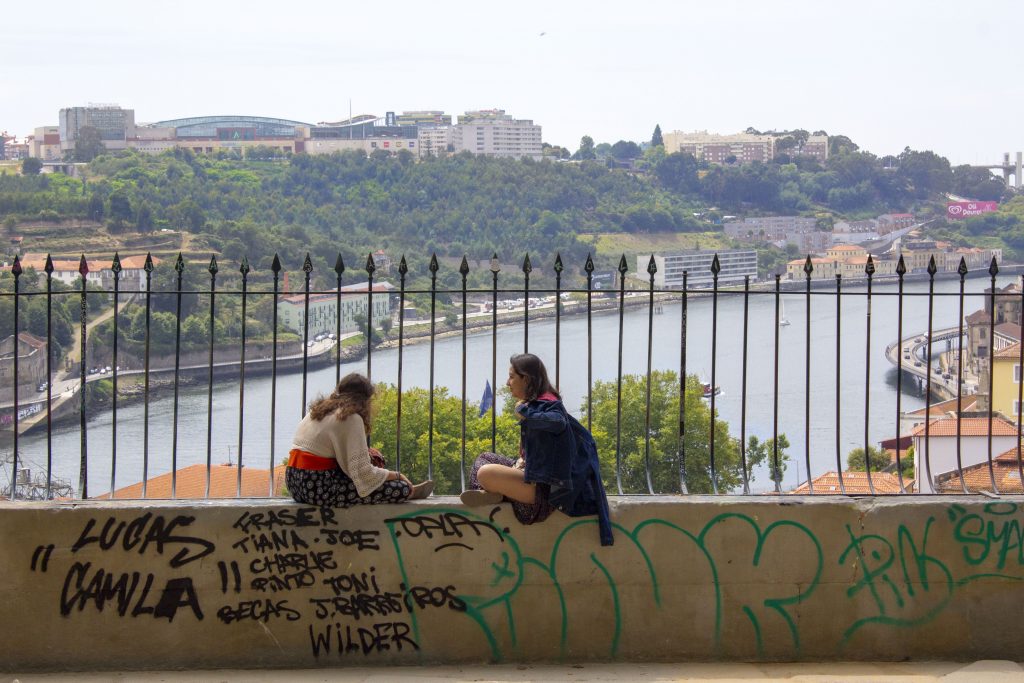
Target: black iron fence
<point>740,336</point>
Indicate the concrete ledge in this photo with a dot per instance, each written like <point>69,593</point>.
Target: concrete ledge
<point>261,583</point>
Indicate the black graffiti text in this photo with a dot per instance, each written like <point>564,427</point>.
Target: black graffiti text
<point>127,593</point>
<point>288,571</point>
<point>349,639</point>
<point>143,532</point>
<point>273,519</point>
<point>347,583</point>
<point>357,605</point>
<point>273,541</point>
<point>258,610</point>
<point>445,525</point>
<point>424,596</point>
<point>362,539</point>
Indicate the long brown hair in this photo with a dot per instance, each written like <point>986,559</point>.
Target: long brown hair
<point>351,397</point>
<point>532,368</point>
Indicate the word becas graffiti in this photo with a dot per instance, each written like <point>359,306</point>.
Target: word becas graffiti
<point>768,581</point>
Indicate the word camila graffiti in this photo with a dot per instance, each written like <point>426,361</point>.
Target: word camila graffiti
<point>123,591</point>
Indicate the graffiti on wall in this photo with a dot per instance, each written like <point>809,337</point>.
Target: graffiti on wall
<point>735,585</point>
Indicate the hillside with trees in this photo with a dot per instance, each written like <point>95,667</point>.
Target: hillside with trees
<point>351,204</point>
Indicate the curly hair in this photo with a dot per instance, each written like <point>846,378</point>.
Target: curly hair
<point>351,397</point>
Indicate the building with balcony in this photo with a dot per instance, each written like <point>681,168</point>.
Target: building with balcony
<point>323,309</point>
<point>492,132</point>
<point>736,265</point>
<point>741,148</point>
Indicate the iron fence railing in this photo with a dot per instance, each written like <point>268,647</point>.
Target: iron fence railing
<point>781,388</point>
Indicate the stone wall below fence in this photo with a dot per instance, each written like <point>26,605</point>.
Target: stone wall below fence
<point>267,583</point>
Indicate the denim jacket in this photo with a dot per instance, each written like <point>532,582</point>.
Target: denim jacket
<point>562,453</point>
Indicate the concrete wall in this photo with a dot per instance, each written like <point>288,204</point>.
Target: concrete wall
<point>258,583</point>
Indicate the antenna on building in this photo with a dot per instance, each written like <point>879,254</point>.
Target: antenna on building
<point>350,118</point>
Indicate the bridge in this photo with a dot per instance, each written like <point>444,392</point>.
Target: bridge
<point>1007,169</point>
<point>914,352</point>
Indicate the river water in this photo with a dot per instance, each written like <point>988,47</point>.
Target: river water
<point>881,388</point>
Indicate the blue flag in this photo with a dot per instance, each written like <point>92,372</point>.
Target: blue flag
<point>487,400</point>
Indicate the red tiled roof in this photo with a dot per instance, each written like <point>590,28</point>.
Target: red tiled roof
<point>191,483</point>
<point>38,261</point>
<point>1011,330</point>
<point>969,426</point>
<point>978,478</point>
<point>855,483</point>
<point>940,409</point>
<point>1011,351</point>
<point>32,340</point>
<point>978,317</point>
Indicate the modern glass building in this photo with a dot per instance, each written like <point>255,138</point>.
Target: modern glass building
<point>233,127</point>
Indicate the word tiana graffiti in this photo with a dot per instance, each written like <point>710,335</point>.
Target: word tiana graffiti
<point>401,582</point>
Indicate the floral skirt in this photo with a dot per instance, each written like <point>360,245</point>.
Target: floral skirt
<point>334,488</point>
<point>526,513</point>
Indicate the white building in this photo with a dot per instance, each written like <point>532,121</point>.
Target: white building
<point>940,448</point>
<point>735,263</point>
<point>435,141</point>
<point>323,308</point>
<point>492,132</point>
<point>132,278</point>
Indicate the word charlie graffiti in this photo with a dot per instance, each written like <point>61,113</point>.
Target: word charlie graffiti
<point>315,571</point>
<point>88,584</point>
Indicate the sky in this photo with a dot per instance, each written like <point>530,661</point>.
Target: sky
<point>938,75</point>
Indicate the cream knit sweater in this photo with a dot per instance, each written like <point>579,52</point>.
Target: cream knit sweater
<point>345,441</point>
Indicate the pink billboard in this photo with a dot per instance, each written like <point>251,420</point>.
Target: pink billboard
<point>968,209</point>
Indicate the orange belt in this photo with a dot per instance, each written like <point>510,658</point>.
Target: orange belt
<point>304,460</point>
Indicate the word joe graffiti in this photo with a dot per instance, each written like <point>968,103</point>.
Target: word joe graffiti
<point>328,584</point>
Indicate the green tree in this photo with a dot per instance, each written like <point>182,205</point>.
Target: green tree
<point>88,144</point>
<point>624,150</point>
<point>879,459</point>
<point>586,150</point>
<point>656,139</point>
<point>664,436</point>
<point>447,434</point>
<point>31,166</point>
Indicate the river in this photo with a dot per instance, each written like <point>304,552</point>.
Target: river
<point>192,421</point>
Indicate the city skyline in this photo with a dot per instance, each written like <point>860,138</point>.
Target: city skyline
<point>887,76</point>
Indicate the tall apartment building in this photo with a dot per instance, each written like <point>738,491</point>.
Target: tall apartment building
<point>435,140</point>
<point>815,147</point>
<point>720,149</point>
<point>736,264</point>
<point>115,125</point>
<point>492,132</point>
